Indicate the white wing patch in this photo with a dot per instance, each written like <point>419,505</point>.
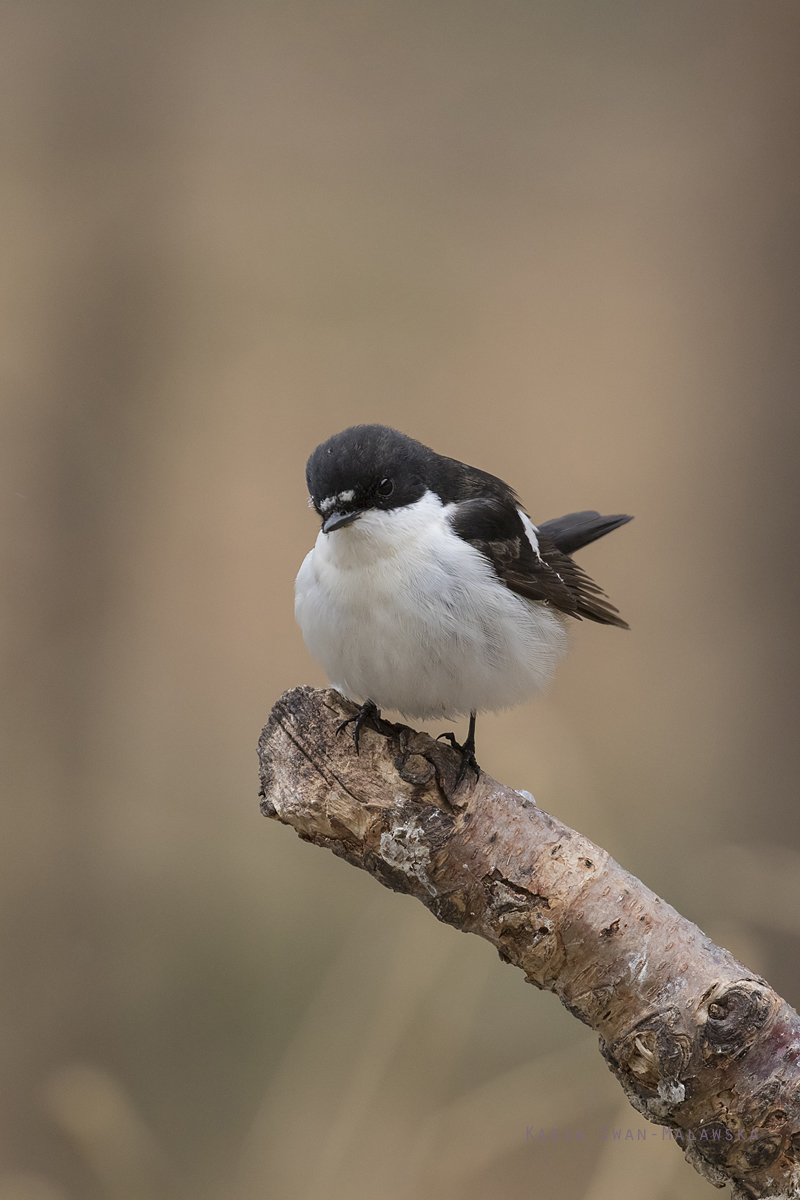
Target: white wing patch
<point>530,531</point>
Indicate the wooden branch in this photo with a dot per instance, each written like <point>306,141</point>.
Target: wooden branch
<point>698,1042</point>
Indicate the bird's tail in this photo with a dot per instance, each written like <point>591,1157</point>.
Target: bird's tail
<point>576,530</point>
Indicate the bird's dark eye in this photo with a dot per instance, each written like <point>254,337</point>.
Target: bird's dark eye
<point>385,487</point>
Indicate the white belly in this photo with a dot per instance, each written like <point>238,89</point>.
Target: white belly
<point>400,611</point>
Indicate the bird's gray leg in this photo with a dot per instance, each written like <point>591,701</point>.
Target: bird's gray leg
<point>369,712</point>
<point>467,750</point>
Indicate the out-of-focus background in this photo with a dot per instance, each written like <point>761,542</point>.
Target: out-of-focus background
<point>553,238</point>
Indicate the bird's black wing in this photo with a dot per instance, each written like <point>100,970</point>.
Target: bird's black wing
<point>495,528</point>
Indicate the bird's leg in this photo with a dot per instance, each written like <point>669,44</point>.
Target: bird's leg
<point>467,750</point>
<point>468,758</point>
<point>369,712</point>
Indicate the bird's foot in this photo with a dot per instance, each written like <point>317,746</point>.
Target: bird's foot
<point>467,752</point>
<point>369,713</point>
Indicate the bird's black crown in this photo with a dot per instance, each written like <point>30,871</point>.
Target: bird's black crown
<point>385,469</point>
<point>367,466</point>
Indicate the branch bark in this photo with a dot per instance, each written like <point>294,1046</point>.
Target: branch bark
<point>698,1042</point>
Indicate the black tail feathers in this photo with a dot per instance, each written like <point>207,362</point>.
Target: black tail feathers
<point>576,530</point>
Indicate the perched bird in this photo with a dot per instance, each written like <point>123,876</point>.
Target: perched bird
<point>429,591</point>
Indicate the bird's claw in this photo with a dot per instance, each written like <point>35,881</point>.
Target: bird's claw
<point>467,752</point>
<point>369,712</point>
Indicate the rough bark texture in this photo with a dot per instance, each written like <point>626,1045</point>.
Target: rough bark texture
<point>697,1041</point>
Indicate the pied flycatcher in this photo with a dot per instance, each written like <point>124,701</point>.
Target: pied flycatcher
<point>429,591</point>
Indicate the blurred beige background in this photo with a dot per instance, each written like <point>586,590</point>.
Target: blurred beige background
<point>554,238</point>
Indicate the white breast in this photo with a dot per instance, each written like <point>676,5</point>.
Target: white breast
<point>401,611</point>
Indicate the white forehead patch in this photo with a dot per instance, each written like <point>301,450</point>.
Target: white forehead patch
<point>329,501</point>
<point>530,530</point>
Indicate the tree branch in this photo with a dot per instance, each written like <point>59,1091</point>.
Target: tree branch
<point>697,1041</point>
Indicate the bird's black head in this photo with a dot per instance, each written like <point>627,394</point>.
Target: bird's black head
<point>366,467</point>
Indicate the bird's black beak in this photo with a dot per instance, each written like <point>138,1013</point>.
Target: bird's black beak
<point>339,520</point>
